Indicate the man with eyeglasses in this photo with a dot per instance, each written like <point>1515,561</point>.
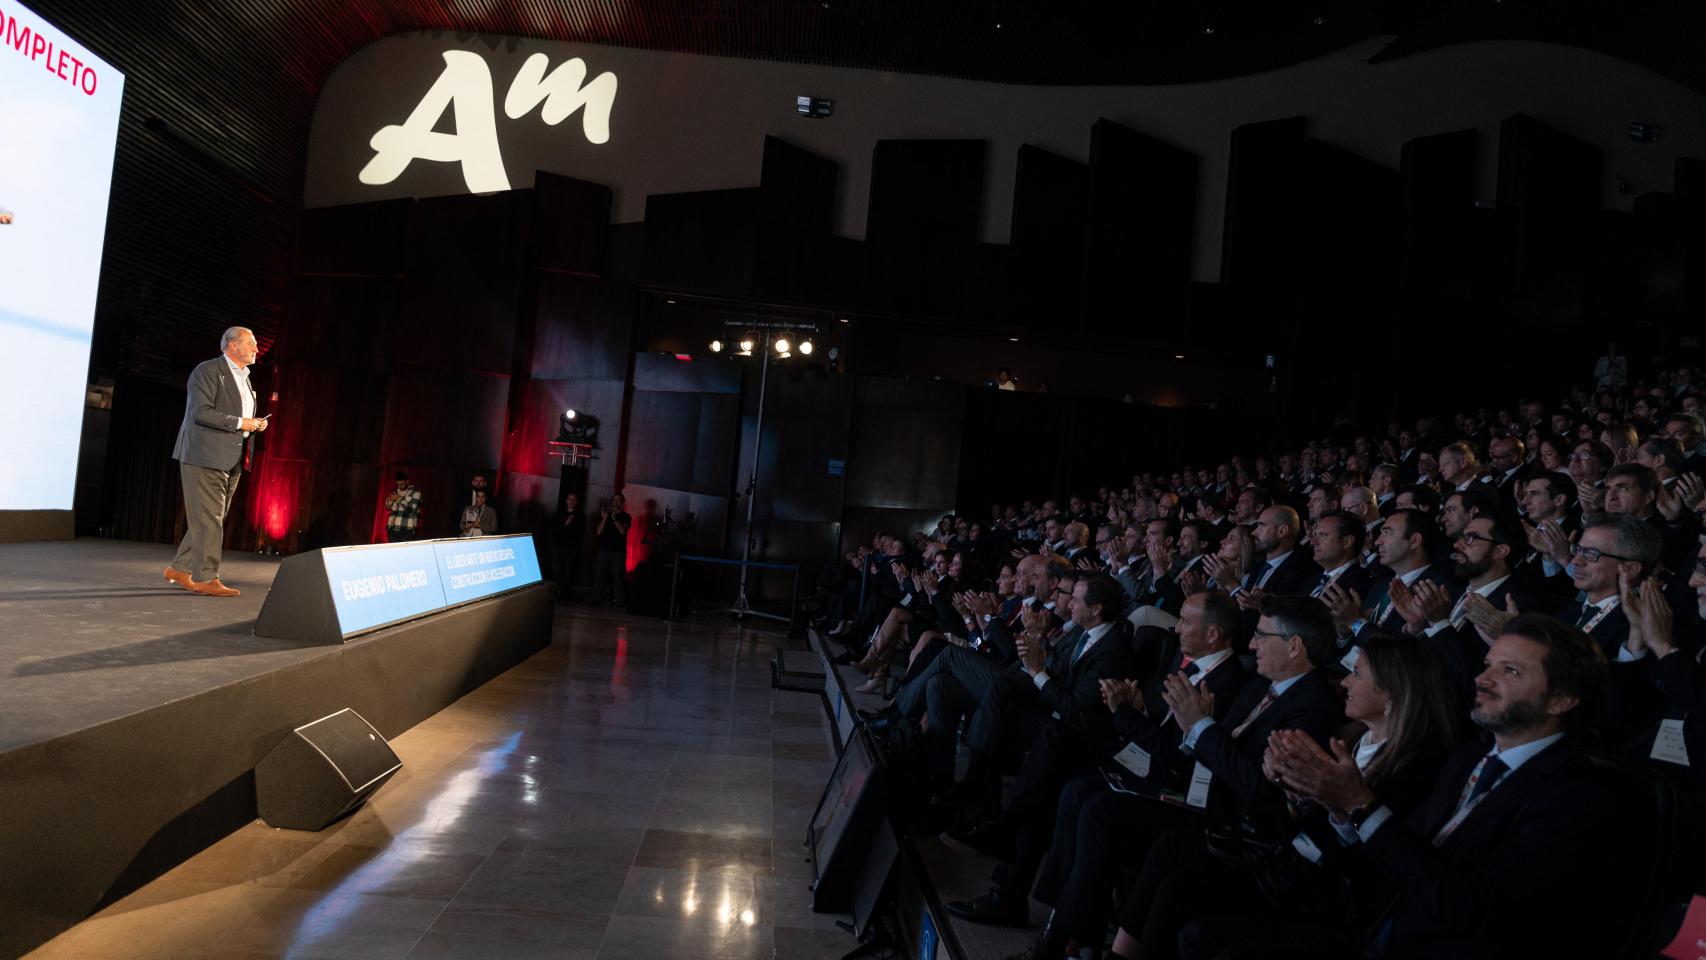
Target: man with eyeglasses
<point>1481,558</point>
<point>1547,503</point>
<point>1589,460</point>
<point>1509,469</point>
<point>1634,490</point>
<point>1612,545</point>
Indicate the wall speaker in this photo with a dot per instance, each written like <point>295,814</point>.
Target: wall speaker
<point>322,771</point>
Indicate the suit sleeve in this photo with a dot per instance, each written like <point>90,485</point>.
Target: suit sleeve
<point>1543,849</point>
<point>204,394</point>
<point>1085,694</point>
<point>1218,752</point>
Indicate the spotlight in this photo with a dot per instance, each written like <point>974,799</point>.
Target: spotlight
<point>746,344</point>
<point>569,414</point>
<point>782,346</point>
<point>716,346</point>
<point>806,347</point>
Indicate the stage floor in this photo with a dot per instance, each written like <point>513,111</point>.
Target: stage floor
<point>636,790</point>
<point>90,632</point>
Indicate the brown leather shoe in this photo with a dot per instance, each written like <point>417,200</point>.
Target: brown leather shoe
<point>212,588</point>
<point>174,575</point>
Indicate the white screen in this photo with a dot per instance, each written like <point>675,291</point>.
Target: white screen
<point>59,108</point>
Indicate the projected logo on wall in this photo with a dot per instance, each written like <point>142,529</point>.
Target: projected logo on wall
<point>465,87</point>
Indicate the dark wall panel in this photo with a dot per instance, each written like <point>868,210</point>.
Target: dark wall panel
<point>796,214</point>
<point>681,441</point>
<point>1142,211</point>
<point>906,444</point>
<point>459,303</point>
<point>922,225</point>
<point>339,320</point>
<point>444,418</point>
<point>327,413</point>
<point>1438,202</point>
<point>1263,205</point>
<point>570,222</point>
<point>1549,189</point>
<point>1044,269</point>
<point>702,241</point>
<point>358,239</point>
<point>582,329</point>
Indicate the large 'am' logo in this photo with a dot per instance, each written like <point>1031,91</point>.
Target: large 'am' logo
<point>465,86</point>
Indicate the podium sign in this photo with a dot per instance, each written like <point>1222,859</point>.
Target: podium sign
<point>341,592</point>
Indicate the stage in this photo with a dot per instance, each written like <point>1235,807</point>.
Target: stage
<point>132,712</point>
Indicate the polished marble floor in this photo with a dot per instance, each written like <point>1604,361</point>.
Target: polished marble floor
<point>635,790</point>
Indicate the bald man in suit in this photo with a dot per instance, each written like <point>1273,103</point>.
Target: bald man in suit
<point>214,442</point>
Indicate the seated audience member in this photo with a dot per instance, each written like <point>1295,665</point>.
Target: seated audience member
<point>952,685</point>
<point>1458,468</point>
<point>1059,679</point>
<point>1634,490</point>
<point>1492,863</point>
<point>1547,500</point>
<point>1510,468</point>
<point>1384,482</point>
<point>1589,460</point>
<point>1398,694</point>
<point>1406,545</point>
<point>1322,499</point>
<point>1450,615</point>
<point>1199,652</point>
<point>1418,497</point>
<point>1099,827</point>
<point>1336,542</point>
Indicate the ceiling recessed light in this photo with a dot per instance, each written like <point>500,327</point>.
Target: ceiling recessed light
<point>1012,339</point>
<point>1178,356</point>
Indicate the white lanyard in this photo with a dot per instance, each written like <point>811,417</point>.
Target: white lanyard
<point>1465,805</point>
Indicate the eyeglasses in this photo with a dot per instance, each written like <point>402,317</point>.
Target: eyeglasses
<point>1267,633</point>
<point>1590,554</point>
<point>1470,539</point>
<point>1583,456</point>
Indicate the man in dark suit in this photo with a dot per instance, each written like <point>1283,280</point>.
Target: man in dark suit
<point>212,451</point>
<point>1208,622</point>
<point>1492,864</point>
<point>1098,829</point>
<point>1062,680</point>
<point>1335,543</point>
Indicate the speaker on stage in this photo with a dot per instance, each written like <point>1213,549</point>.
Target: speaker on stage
<point>322,771</point>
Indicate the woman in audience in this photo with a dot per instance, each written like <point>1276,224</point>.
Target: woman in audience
<point>1554,453</point>
<point>1397,693</point>
<point>929,612</point>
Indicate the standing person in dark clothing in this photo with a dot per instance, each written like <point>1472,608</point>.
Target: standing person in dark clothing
<point>569,537</point>
<point>609,568</point>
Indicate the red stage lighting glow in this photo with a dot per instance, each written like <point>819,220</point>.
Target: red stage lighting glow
<point>684,357</point>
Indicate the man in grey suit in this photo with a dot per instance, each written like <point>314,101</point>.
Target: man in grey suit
<point>212,453</point>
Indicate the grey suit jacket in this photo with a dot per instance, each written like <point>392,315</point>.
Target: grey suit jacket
<point>211,435</point>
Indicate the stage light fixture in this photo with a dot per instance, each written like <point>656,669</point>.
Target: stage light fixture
<point>783,346</point>
<point>806,347</point>
<point>746,345</point>
<point>569,414</point>
<point>716,346</point>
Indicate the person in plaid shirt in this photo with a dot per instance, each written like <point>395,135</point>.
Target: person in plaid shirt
<point>405,506</point>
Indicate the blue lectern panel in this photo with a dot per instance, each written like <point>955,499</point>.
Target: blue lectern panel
<point>373,586</point>
<point>482,566</point>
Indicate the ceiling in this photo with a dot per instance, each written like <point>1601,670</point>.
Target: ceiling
<point>219,94</point>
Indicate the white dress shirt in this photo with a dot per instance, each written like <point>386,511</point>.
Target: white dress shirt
<point>244,390</point>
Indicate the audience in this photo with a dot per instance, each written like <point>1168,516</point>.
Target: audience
<point>1231,731</point>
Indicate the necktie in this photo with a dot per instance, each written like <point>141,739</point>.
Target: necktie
<point>1190,668</point>
<point>1078,648</point>
<point>1492,770</point>
<point>1263,580</point>
<point>1267,698</point>
<point>1588,610</point>
<point>1320,586</point>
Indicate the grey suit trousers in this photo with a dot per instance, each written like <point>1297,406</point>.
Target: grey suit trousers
<point>207,499</point>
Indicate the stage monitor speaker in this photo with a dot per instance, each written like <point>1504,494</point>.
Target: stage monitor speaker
<point>322,771</point>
